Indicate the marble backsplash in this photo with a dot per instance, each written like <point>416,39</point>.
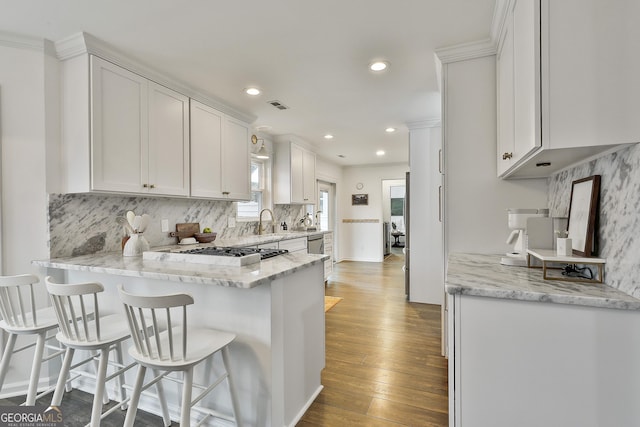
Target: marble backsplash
<point>619,228</point>
<point>81,224</point>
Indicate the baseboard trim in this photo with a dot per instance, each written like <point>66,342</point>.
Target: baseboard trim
<point>307,405</point>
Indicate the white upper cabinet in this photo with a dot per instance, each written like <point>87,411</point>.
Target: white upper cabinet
<point>119,125</point>
<point>168,153</point>
<point>236,161</point>
<point>136,138</point>
<point>294,174</point>
<point>220,160</point>
<point>575,85</point>
<point>506,136</point>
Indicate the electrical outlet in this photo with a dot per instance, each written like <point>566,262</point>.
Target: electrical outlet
<point>231,222</point>
<point>165,225</point>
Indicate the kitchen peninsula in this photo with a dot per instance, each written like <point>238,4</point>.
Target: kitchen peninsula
<point>274,306</point>
<point>531,352</point>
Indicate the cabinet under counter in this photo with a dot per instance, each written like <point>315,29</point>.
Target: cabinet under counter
<point>529,352</point>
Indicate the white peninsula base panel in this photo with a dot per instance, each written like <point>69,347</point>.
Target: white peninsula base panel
<point>277,357</point>
<point>531,364</point>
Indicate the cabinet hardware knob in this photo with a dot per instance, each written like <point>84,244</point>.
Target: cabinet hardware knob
<point>152,186</point>
<point>506,156</point>
<point>145,185</point>
<point>226,193</point>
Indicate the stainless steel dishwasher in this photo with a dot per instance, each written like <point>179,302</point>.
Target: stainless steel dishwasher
<point>315,244</point>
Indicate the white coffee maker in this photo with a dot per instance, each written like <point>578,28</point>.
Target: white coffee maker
<point>517,220</point>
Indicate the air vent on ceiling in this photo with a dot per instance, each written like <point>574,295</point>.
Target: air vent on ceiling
<point>278,105</point>
<point>342,156</point>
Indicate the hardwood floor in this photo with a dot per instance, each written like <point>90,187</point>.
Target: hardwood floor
<point>383,362</point>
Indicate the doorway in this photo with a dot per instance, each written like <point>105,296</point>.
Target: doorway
<point>326,206</point>
<point>393,215</point>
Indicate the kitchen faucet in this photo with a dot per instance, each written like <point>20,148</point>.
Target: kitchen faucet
<point>260,228</point>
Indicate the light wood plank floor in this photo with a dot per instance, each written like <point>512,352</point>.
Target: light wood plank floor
<point>383,362</point>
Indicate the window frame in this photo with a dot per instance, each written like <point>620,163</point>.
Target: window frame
<point>265,190</point>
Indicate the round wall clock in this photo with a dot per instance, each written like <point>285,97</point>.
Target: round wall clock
<point>359,186</point>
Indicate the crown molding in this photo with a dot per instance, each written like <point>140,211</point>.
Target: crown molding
<point>465,51</point>
<point>499,18</point>
<point>84,43</point>
<point>423,124</point>
<point>20,41</point>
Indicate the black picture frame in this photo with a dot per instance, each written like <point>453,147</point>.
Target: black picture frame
<point>583,214</point>
<point>359,199</point>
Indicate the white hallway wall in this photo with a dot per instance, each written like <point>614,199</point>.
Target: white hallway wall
<point>23,133</point>
<point>363,241</point>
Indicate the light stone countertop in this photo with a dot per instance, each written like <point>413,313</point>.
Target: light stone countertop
<point>241,277</point>
<point>483,275</point>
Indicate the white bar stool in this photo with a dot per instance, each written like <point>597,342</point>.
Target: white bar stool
<point>20,317</point>
<point>178,348</point>
<point>88,331</point>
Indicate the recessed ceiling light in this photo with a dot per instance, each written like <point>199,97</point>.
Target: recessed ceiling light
<point>380,153</point>
<point>390,130</point>
<point>328,136</point>
<point>378,66</point>
<point>253,91</point>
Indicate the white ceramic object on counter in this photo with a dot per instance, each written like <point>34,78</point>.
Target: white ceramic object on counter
<point>135,245</point>
<point>564,246</point>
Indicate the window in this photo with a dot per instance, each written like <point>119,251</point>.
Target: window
<point>251,209</point>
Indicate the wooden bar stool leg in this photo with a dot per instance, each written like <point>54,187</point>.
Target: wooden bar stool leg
<point>135,397</point>
<point>234,401</point>
<point>62,378</point>
<point>6,358</point>
<point>35,369</point>
<point>185,415</point>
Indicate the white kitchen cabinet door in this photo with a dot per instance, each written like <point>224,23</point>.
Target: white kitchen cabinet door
<point>505,99</point>
<point>206,148</point>
<point>294,174</point>
<point>139,134</point>
<point>519,127</point>
<point>168,150</point>
<point>297,174</point>
<point>526,80</point>
<point>236,161</point>
<point>308,177</point>
<point>571,362</point>
<point>294,245</point>
<point>118,128</point>
<point>220,160</point>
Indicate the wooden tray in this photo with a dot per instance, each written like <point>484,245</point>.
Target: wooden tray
<point>185,229</point>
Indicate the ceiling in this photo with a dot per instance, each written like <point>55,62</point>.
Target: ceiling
<point>311,56</point>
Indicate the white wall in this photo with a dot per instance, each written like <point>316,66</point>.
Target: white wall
<point>476,200</point>
<point>23,169</point>
<point>24,197</point>
<point>363,241</point>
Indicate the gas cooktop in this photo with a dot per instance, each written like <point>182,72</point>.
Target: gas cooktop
<point>235,252</point>
<point>215,255</point>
